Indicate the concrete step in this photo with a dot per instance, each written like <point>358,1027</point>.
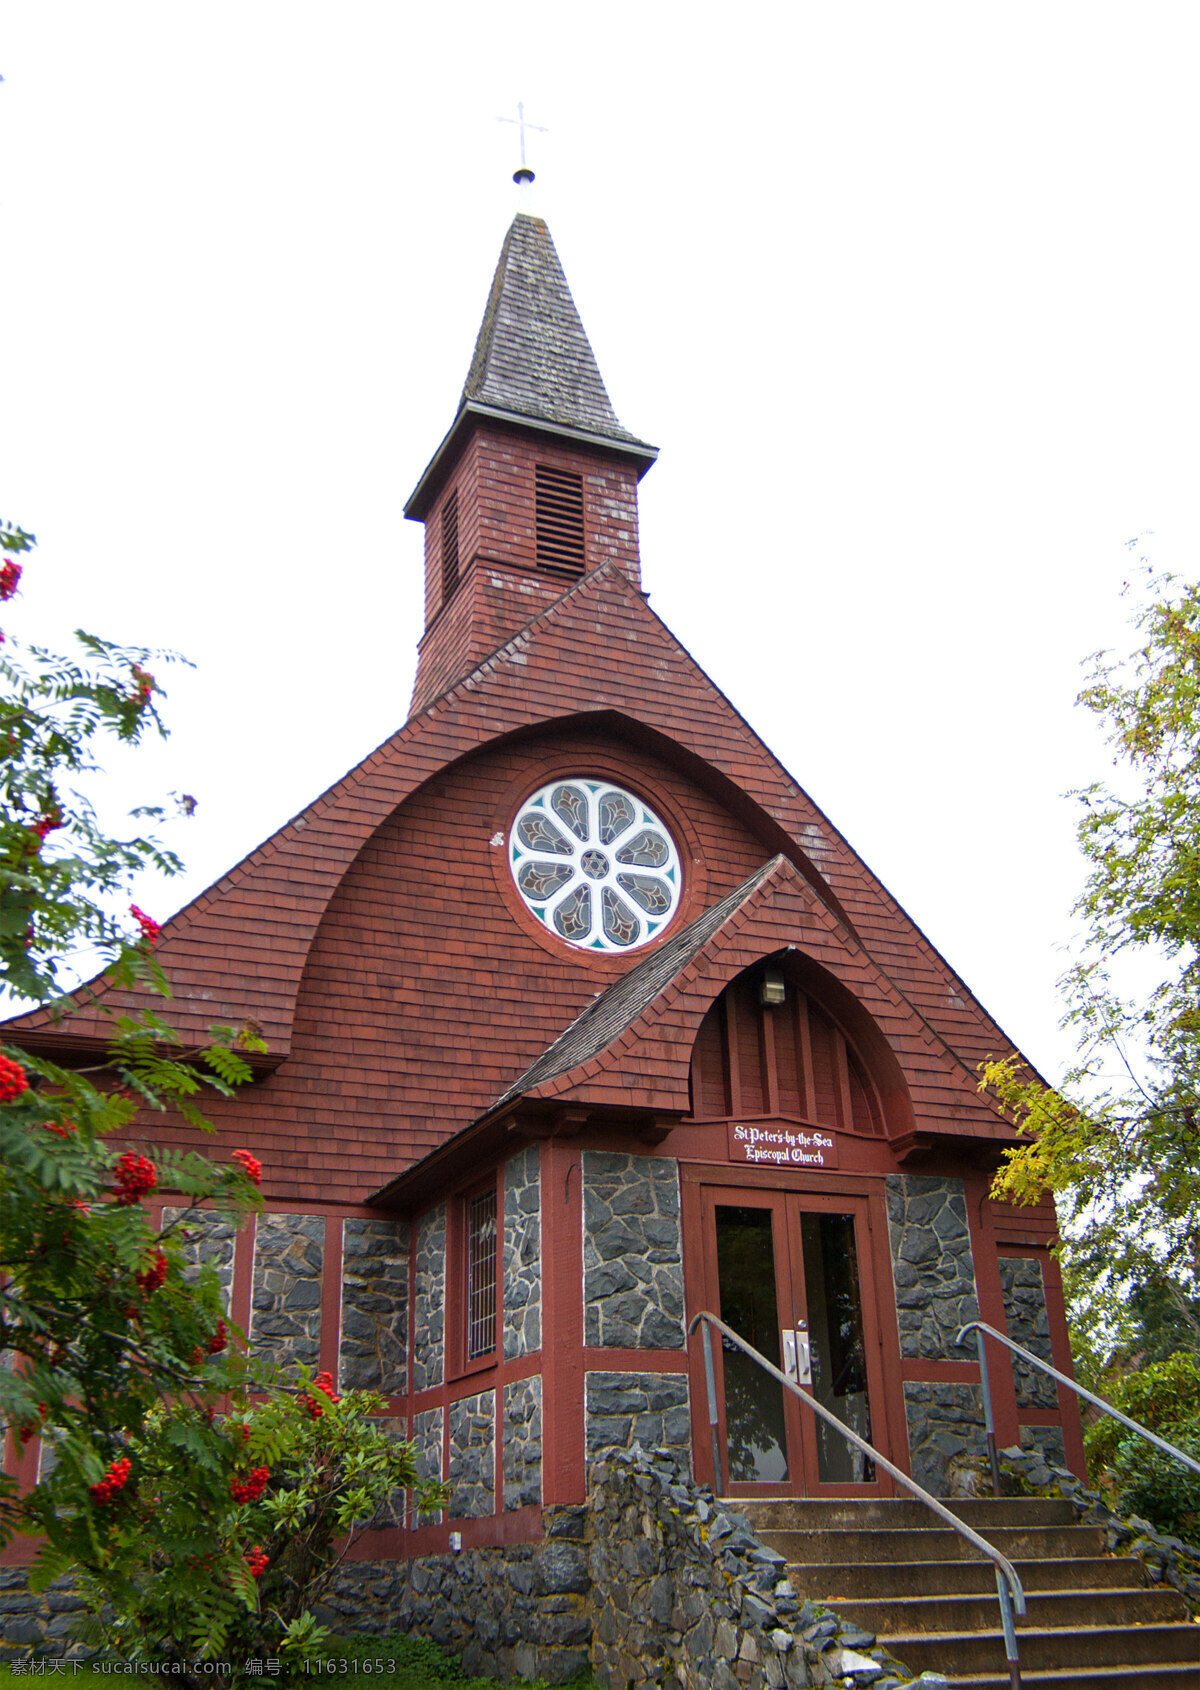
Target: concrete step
<point>1057,1609</point>
<point>1064,1649</point>
<point>1173,1675</point>
<point>840,1544</point>
<point>867,1579</point>
<point>800,1514</point>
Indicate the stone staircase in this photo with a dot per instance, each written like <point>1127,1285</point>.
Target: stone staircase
<point>890,1567</point>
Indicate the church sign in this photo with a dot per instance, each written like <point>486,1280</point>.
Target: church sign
<point>784,1145</point>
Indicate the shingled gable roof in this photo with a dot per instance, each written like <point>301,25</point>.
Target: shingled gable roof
<point>533,362</point>
<point>626,999</point>
<point>238,951</point>
<point>633,1046</point>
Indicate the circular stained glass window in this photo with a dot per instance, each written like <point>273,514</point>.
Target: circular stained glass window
<point>594,864</point>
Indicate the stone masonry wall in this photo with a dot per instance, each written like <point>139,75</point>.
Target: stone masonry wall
<point>285,1315</point>
<point>653,1584</point>
<point>427,1439</point>
<point>934,1274</point>
<point>945,1422</point>
<point>522,1609</point>
<point>206,1238</point>
<point>632,1254</point>
<point>932,1265</point>
<point>429,1337</point>
<point>522,1435</point>
<point>1028,1324</point>
<point>374,1344</point>
<point>650,1409</point>
<point>472,1469</point>
<point>522,1255</point>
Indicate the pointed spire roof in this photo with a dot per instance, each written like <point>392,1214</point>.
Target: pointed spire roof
<point>532,357</point>
<point>533,363</point>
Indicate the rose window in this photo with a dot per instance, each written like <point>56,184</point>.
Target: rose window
<point>594,864</point>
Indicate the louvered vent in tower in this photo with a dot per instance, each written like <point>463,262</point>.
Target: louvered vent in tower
<point>450,545</point>
<point>559,520</point>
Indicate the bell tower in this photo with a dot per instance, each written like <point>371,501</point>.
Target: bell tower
<point>536,482</point>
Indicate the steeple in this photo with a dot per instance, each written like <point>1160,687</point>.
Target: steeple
<point>536,481</point>
<point>532,358</point>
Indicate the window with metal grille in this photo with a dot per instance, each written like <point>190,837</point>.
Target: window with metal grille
<point>481,1274</point>
<point>559,520</point>
<point>450,545</point>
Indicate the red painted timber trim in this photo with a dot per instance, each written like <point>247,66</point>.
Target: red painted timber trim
<point>242,1289</point>
<point>563,1445</point>
<point>635,1361</point>
<point>916,1372</point>
<point>331,1296</point>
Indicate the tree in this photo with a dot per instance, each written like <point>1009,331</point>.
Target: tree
<point>194,1513</point>
<point>1119,1142</point>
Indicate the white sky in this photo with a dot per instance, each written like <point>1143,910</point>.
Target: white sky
<point>907,294</point>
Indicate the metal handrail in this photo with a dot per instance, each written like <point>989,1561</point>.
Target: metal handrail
<point>979,1327</point>
<point>1008,1586</point>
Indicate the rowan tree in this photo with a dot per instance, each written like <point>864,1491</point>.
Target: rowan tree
<point>198,1503</point>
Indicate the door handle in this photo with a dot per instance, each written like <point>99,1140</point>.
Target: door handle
<point>797,1355</point>
<point>803,1359</point>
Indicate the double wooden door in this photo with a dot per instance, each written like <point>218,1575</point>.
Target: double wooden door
<point>792,1274</point>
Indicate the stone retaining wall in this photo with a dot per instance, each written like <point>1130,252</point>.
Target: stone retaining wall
<point>653,1584</point>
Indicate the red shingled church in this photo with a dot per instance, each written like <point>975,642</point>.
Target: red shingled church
<point>581,1017</point>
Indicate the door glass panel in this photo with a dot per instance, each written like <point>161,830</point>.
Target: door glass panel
<point>839,1356</point>
<point>754,1424</point>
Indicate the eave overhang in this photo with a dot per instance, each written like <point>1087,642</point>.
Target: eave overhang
<point>637,452</point>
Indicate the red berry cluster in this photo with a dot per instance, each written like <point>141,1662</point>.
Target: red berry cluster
<point>143,684</point>
<point>150,928</point>
<point>13,1080</point>
<point>324,1382</point>
<point>136,1177</point>
<point>154,1277</point>
<point>249,1490</point>
<point>311,1404</point>
<point>61,1129</point>
<point>24,1433</point>
<point>218,1340</point>
<point>44,825</point>
<point>114,1480</point>
<point>250,1165</point>
<point>10,575</point>
<point>257,1562</point>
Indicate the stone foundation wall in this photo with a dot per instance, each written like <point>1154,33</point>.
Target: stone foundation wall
<point>523,1609</point>
<point>652,1584</point>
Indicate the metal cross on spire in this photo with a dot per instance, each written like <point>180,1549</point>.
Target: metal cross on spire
<point>524,175</point>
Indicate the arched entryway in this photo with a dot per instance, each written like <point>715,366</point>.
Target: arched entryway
<point>787,1238</point>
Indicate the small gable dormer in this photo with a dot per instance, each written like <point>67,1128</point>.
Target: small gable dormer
<point>536,482</point>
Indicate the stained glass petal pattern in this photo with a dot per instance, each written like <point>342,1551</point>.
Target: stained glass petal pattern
<point>540,881</point>
<point>646,849</point>
<point>570,848</point>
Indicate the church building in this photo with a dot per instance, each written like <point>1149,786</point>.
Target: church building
<point>580,1019</point>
